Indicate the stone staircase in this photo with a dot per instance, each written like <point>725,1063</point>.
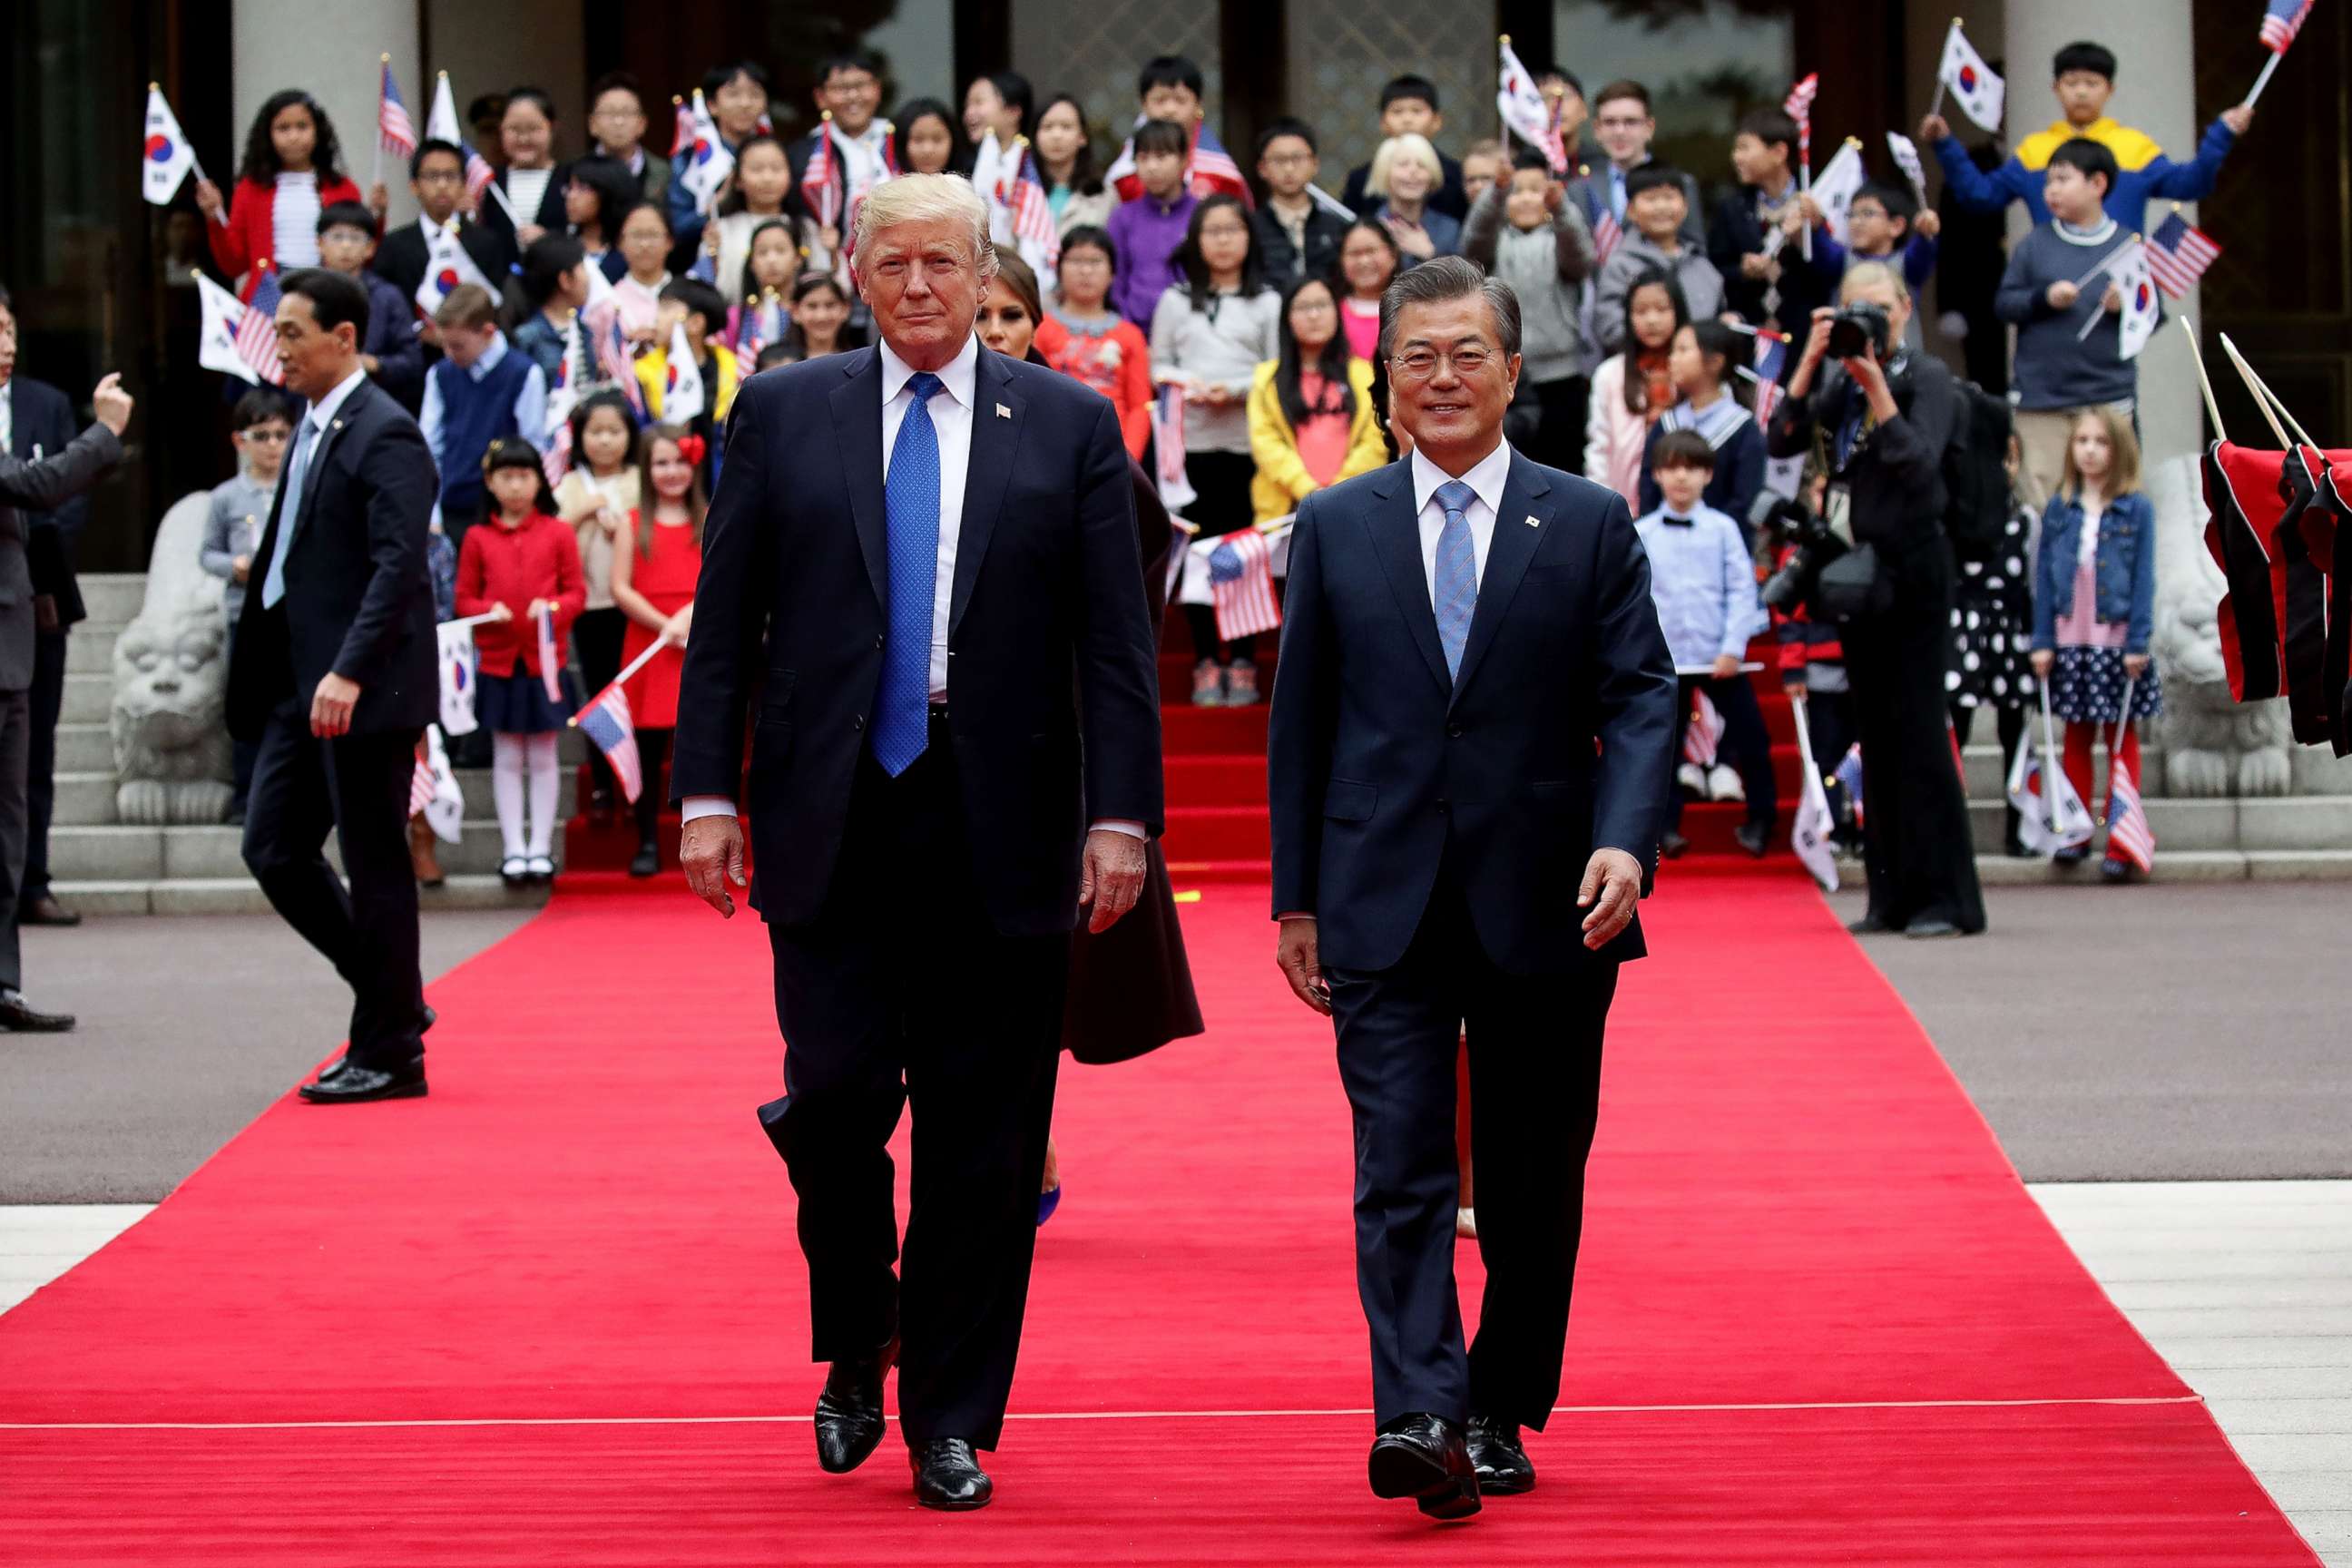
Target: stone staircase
<point>101,866</point>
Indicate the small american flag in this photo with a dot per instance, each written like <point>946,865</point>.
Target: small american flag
<point>423,784</point>
<point>395,129</point>
<point>761,324</point>
<point>1241,581</point>
<point>2282,22</point>
<point>2178,254</point>
<point>550,656</point>
<point>2129,837</point>
<point>1212,169</point>
<point>1800,105</point>
<point>1033,215</point>
<point>618,364</point>
<point>1606,231</point>
<point>681,134</point>
<point>479,175</point>
<point>606,721</point>
<point>256,331</point>
<point>818,177</point>
<point>1771,360</point>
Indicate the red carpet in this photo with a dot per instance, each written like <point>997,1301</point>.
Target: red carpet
<point>1819,1318</point>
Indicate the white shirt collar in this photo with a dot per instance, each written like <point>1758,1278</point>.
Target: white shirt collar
<point>1486,477</point>
<point>960,375</point>
<point>324,409</point>
<point>491,357</point>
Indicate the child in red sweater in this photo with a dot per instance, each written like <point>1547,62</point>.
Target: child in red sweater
<point>526,565</point>
<point>291,172</point>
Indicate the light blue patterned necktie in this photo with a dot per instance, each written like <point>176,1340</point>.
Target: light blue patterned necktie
<point>1457,573</point>
<point>289,512</point>
<point>911,504</point>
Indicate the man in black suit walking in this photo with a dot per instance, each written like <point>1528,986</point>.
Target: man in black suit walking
<point>36,420</point>
<point>42,485</point>
<point>1471,738</point>
<point>334,675</point>
<point>957,754</point>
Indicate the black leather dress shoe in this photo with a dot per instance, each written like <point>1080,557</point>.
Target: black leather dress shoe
<point>46,911</point>
<point>948,1476</point>
<point>21,1017</point>
<point>849,1411</point>
<point>1424,1457</point>
<point>1500,1458</point>
<point>355,1085</point>
<point>340,1063</point>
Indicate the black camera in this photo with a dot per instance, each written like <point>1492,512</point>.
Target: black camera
<point>1857,328</point>
<point>1790,524</point>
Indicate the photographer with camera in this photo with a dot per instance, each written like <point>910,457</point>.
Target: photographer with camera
<point>1877,425</point>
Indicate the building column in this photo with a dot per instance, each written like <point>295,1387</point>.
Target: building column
<point>2156,90</point>
<point>333,50</point>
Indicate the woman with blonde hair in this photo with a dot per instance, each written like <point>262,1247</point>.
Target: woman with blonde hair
<point>1405,173</point>
<point>2095,608</point>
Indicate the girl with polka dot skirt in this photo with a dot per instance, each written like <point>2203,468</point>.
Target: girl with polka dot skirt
<point>2094,603</point>
<point>1992,630</point>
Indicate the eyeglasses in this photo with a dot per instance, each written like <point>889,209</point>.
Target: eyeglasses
<point>1420,365</point>
<point>270,436</point>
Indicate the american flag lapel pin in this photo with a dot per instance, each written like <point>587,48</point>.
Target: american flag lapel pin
<point>1003,412</point>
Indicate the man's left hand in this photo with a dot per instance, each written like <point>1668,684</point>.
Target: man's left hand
<point>1113,877</point>
<point>1612,887</point>
<point>332,705</point>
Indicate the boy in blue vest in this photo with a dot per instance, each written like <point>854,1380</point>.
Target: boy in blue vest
<point>482,391</point>
<point>2084,78</point>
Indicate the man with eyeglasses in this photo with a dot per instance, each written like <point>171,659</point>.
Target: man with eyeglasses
<point>1472,734</point>
<point>851,90</point>
<point>436,175</point>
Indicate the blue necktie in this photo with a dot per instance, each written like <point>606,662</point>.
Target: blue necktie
<point>911,504</point>
<point>1457,573</point>
<point>297,471</point>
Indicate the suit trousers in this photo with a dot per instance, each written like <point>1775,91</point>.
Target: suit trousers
<point>16,749</point>
<point>902,992</point>
<point>41,775</point>
<point>1534,1090</point>
<point>355,786</point>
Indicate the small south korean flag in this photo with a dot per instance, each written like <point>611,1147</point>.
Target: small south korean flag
<point>2143,306</point>
<point>164,157</point>
<point>1975,85</point>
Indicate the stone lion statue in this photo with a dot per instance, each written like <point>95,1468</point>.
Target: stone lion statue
<point>171,686</point>
<point>2213,745</point>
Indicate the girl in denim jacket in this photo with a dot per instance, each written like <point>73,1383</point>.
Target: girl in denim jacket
<point>2094,603</point>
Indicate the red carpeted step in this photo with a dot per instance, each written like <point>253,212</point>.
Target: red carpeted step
<point>1238,779</point>
<point>1184,729</point>
<point>1218,833</point>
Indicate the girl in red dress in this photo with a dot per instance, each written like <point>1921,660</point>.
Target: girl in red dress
<point>653,583</point>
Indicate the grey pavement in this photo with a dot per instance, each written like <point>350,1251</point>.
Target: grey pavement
<point>2174,1032</point>
<point>190,1028</point>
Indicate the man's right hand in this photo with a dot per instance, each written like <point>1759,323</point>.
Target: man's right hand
<point>1296,954</point>
<point>111,404</point>
<point>711,850</point>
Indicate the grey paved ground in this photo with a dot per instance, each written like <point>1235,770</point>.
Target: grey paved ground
<point>2194,1031</point>
<point>189,1028</point>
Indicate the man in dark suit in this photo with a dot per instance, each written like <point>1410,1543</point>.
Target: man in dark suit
<point>436,174</point>
<point>956,753</point>
<point>334,675</point>
<point>35,421</point>
<point>43,485</point>
<point>1471,738</point>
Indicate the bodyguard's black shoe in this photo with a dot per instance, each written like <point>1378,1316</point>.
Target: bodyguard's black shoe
<point>647,862</point>
<point>1499,1457</point>
<point>1869,925</point>
<point>46,911</point>
<point>1672,844</point>
<point>948,1476</point>
<point>356,1085</point>
<point>849,1411</point>
<point>1930,929</point>
<point>1424,1457</point>
<point>340,1063</point>
<point>21,1017</point>
<point>1756,838</point>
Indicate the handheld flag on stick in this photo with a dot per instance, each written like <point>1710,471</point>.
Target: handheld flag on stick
<point>681,131</point>
<point>2281,23</point>
<point>618,364</point>
<point>1176,491</point>
<point>550,656</point>
<point>256,331</point>
<point>217,347</point>
<point>1810,835</point>
<point>447,265</point>
<point>562,397</point>
<point>608,722</point>
<point>165,158</point>
<point>395,132</point>
<point>682,392</point>
<point>1849,777</point>
<point>710,163</point>
<point>2129,837</point>
<point>2179,254</point>
<point>1799,108</point>
<point>2051,816</point>
<point>820,179</point>
<point>1241,582</point>
<point>1703,737</point>
<point>1907,158</point>
<point>1977,86</point>
<point>457,669</point>
<point>1841,181</point>
<point>1524,111</point>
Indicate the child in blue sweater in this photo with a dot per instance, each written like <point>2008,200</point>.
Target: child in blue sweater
<point>2084,78</point>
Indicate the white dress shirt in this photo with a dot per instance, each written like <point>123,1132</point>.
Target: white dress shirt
<point>950,412</point>
<point>1486,477</point>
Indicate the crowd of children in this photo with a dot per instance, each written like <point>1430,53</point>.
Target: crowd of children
<point>1640,310</point>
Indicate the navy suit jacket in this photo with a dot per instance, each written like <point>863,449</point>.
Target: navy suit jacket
<point>1557,739</point>
<point>358,600</point>
<point>43,420</point>
<point>1053,688</point>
